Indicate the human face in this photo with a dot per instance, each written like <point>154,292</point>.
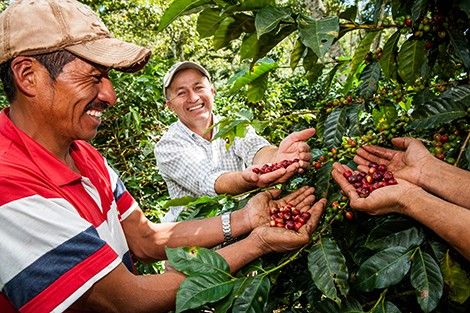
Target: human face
<point>191,97</point>
<point>72,105</point>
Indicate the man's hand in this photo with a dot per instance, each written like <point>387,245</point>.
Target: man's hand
<point>294,146</point>
<point>406,165</point>
<point>257,210</point>
<point>277,239</point>
<point>388,199</point>
<point>278,176</point>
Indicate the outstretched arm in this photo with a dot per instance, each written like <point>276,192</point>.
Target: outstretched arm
<point>448,220</point>
<point>416,165</point>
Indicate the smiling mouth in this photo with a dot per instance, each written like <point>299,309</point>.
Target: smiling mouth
<point>95,113</point>
<point>196,107</point>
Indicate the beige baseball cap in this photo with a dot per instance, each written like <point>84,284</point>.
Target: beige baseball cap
<point>30,27</point>
<point>181,66</point>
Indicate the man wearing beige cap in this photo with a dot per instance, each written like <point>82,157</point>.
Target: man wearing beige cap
<point>193,164</point>
<point>68,226</point>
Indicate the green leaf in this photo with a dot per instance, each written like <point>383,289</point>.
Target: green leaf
<point>384,116</point>
<point>208,21</point>
<point>451,105</point>
<point>297,53</point>
<point>249,46</point>
<point>335,128</point>
<point>257,88</point>
<point>239,287</point>
<point>327,265</point>
<point>411,58</point>
<point>370,79</point>
<point>362,50</point>
<point>323,180</point>
<point>178,8</point>
<point>456,279</point>
<point>406,238</point>
<point>427,280</point>
<point>196,260</point>
<point>418,10</point>
<point>349,14</point>
<point>178,202</point>
<point>461,45</point>
<point>262,67</point>
<point>255,296</point>
<point>385,268</point>
<point>385,307</point>
<point>319,34</point>
<point>268,18</point>
<point>223,34</point>
<point>198,290</point>
<point>388,62</point>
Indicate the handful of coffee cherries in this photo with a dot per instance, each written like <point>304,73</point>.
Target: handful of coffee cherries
<point>288,217</point>
<point>377,176</point>
<point>267,168</point>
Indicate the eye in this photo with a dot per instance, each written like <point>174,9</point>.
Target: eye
<point>97,78</point>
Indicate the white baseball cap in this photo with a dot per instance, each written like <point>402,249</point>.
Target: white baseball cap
<point>181,66</point>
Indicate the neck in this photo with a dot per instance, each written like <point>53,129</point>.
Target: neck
<point>57,146</point>
<point>202,129</point>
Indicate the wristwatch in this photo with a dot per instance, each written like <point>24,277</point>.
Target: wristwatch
<point>226,228</point>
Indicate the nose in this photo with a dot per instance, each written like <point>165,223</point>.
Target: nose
<point>193,96</point>
<point>106,92</point>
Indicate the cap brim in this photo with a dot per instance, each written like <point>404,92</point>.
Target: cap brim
<point>113,53</point>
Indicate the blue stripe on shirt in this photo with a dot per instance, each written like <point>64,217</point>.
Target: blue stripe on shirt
<point>120,189</point>
<point>44,271</point>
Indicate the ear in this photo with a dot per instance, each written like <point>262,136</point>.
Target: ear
<point>24,71</point>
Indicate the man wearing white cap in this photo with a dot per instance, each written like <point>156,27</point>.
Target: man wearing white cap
<point>68,226</point>
<point>192,164</point>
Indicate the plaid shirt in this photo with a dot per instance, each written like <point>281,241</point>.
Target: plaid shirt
<point>190,164</point>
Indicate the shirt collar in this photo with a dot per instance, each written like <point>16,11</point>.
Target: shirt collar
<point>45,161</point>
<point>184,128</point>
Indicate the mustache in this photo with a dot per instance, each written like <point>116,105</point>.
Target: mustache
<point>99,106</point>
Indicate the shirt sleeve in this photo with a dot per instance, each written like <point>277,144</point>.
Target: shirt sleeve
<point>50,256</point>
<point>247,147</point>
<point>125,203</point>
<point>186,167</point>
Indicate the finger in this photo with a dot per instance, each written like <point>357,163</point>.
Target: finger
<point>369,157</point>
<point>403,142</point>
<point>302,135</point>
<point>316,211</point>
<point>298,196</point>
<point>306,203</point>
<point>273,193</point>
<point>363,168</point>
<point>382,153</point>
<point>360,160</point>
<point>271,177</point>
<point>304,159</point>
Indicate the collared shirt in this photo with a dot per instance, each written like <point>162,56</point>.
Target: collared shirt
<point>60,231</point>
<point>190,164</point>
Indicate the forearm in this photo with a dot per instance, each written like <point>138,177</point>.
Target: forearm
<point>241,253</point>
<point>446,181</point>
<point>232,183</point>
<point>449,221</point>
<point>204,233</point>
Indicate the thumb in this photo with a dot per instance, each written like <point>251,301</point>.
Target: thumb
<point>302,135</point>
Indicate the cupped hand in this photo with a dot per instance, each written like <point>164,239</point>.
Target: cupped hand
<point>388,199</point>
<point>278,239</point>
<point>406,164</point>
<point>258,208</point>
<point>294,146</point>
<point>278,176</point>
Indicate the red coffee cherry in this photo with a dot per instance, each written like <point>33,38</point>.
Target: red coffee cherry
<point>288,217</point>
<point>267,168</point>
<point>377,176</point>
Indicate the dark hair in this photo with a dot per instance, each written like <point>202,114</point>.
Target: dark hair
<point>54,62</point>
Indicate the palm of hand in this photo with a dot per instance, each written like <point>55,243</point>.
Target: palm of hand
<point>407,165</point>
<point>278,239</point>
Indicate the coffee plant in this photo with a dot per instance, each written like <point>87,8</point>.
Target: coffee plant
<point>407,74</point>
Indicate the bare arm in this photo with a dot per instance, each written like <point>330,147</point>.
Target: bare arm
<point>120,291</point>
<point>418,166</point>
<point>147,240</point>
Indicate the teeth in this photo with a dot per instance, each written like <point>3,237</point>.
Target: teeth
<point>94,113</point>
<point>196,107</point>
